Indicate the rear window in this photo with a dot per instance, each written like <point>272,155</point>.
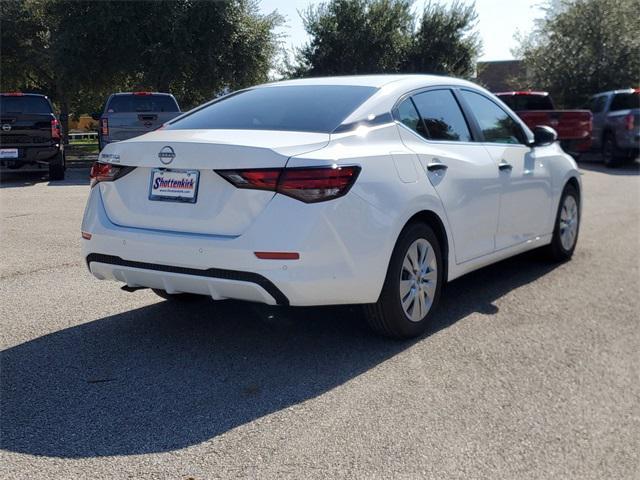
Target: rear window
<point>142,103</point>
<point>625,101</point>
<point>24,104</point>
<point>301,108</point>
<point>527,102</point>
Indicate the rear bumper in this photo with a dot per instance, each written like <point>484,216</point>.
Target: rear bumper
<point>332,268</point>
<point>215,282</point>
<point>30,155</point>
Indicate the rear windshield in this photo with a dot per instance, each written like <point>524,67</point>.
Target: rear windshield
<point>301,108</point>
<point>527,102</point>
<point>142,103</point>
<point>24,104</point>
<point>625,101</point>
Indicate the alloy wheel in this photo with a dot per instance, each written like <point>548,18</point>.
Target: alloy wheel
<point>418,280</point>
<point>568,222</point>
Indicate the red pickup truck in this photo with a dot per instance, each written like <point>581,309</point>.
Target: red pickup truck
<point>536,108</point>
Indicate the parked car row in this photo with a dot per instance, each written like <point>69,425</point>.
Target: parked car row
<point>31,136</point>
<point>610,125</point>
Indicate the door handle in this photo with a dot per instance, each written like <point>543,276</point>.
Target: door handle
<point>505,166</point>
<point>436,166</point>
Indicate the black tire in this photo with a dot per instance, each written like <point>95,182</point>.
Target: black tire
<point>57,167</point>
<point>611,154</point>
<point>178,297</point>
<point>555,250</point>
<point>387,316</point>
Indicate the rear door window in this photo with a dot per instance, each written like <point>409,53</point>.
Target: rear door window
<point>496,124</point>
<point>442,117</point>
<point>24,104</point>
<point>625,101</point>
<point>408,116</point>
<point>142,103</point>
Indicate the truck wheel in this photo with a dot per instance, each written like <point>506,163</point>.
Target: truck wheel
<point>610,151</point>
<point>57,167</point>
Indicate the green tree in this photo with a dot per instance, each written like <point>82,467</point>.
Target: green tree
<point>79,51</point>
<point>381,36</point>
<point>583,47</point>
<point>354,37</point>
<point>446,41</point>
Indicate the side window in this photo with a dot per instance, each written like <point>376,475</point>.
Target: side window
<point>496,125</point>
<point>442,116</point>
<point>408,115</point>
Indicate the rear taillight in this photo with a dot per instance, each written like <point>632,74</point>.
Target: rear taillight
<point>106,172</point>
<point>13,94</point>
<point>143,93</point>
<point>55,129</point>
<point>629,121</point>
<point>104,126</point>
<point>307,184</point>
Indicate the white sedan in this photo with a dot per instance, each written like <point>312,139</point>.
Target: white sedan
<point>371,190</point>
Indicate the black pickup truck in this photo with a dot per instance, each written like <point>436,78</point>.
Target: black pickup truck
<point>30,136</point>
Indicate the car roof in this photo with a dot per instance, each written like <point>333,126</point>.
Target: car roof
<point>621,90</point>
<point>142,93</point>
<point>377,81</point>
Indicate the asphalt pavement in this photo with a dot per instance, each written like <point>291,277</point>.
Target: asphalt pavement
<point>531,369</point>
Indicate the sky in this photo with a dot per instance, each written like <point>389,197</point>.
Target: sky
<point>498,22</point>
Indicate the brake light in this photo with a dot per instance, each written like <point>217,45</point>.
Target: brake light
<point>142,93</point>
<point>307,184</point>
<point>55,129</point>
<point>13,94</point>
<point>106,172</point>
<point>629,121</point>
<point>104,126</point>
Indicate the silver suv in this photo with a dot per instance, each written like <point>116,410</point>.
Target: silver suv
<point>127,115</point>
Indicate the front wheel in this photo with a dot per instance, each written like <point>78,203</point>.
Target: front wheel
<point>412,286</point>
<point>567,226</point>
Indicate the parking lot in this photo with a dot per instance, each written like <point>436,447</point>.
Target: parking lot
<point>531,370</point>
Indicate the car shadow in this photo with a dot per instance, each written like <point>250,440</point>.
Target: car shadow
<point>73,176</point>
<point>594,163</point>
<point>170,375</point>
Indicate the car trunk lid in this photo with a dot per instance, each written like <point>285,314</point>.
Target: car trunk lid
<point>220,208</point>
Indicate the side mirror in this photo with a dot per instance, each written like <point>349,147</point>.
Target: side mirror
<point>543,135</point>
<point>96,116</point>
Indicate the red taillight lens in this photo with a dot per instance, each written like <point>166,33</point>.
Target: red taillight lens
<point>106,172</point>
<point>13,94</point>
<point>314,184</point>
<point>104,126</point>
<point>629,121</point>
<point>317,184</point>
<point>55,129</point>
<point>142,93</point>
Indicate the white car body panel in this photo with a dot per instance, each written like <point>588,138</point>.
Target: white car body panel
<point>344,244</point>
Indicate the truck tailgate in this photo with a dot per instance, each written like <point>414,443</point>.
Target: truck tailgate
<point>570,124</point>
